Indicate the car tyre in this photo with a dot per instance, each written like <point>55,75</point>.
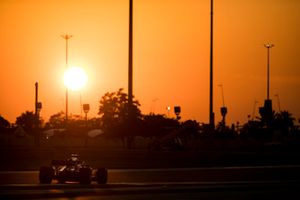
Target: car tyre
<point>85,176</point>
<point>46,175</point>
<point>101,176</point>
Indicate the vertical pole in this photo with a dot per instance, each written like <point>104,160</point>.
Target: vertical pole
<point>80,105</point>
<point>267,113</point>
<point>86,119</point>
<point>268,73</point>
<point>130,70</point>
<point>211,113</point>
<point>268,46</point>
<point>67,96</point>
<point>36,98</point>
<point>37,136</point>
<point>66,37</point>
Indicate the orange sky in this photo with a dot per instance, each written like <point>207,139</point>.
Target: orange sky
<point>171,54</point>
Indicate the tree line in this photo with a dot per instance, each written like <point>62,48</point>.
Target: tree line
<point>113,120</point>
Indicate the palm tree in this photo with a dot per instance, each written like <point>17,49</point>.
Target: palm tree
<point>284,121</point>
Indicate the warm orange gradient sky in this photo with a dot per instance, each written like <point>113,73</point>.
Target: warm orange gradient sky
<point>171,54</point>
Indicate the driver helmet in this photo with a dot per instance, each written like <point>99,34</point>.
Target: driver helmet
<point>74,157</point>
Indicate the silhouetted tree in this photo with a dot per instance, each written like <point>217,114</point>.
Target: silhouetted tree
<point>157,125</point>
<point>27,121</point>
<point>56,121</point>
<point>284,122</point>
<point>94,123</point>
<point>280,124</point>
<point>76,121</point>
<point>113,112</point>
<point>4,123</point>
<point>256,129</point>
<point>191,127</point>
<point>4,126</point>
<point>224,132</point>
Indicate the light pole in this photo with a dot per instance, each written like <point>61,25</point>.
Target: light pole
<point>168,110</point>
<point>223,108</point>
<point>177,111</point>
<point>211,112</point>
<point>268,46</point>
<point>130,70</point>
<point>66,37</point>
<point>266,112</point>
<point>86,109</point>
<point>38,107</point>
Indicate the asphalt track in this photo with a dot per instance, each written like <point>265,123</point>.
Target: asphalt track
<point>268,182</point>
<point>205,174</point>
<point>213,190</point>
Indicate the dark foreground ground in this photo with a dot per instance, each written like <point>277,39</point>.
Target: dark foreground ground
<point>31,158</point>
<point>249,190</point>
<point>274,175</point>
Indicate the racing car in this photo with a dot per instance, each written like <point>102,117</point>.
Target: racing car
<point>72,170</point>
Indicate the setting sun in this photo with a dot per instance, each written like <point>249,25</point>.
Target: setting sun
<point>75,78</point>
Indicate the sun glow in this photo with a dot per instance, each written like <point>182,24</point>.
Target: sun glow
<point>75,78</point>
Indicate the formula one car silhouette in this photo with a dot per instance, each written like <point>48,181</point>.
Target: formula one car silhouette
<point>72,170</point>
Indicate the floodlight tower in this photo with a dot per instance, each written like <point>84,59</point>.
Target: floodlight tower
<point>268,46</point>
<point>267,111</point>
<point>66,37</point>
<point>130,68</point>
<point>223,108</point>
<point>211,112</point>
